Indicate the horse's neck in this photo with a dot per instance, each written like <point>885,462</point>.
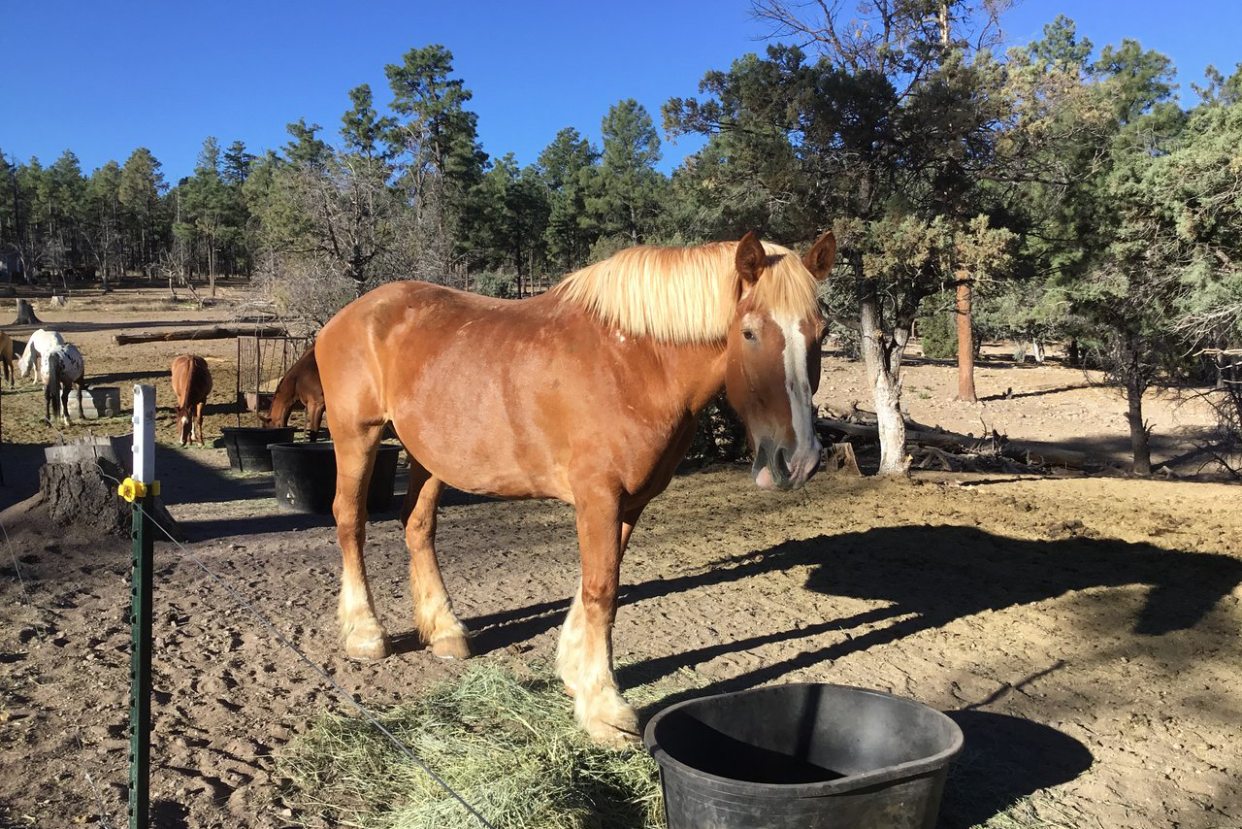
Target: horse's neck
<point>282,402</point>
<point>694,373</point>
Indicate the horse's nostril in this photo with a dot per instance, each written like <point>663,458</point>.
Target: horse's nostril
<point>781,464</point>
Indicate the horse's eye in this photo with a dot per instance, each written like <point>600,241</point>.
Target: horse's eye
<point>748,334</point>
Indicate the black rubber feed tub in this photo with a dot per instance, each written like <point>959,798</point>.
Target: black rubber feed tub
<point>305,477</point>
<point>802,756</point>
<point>247,446</point>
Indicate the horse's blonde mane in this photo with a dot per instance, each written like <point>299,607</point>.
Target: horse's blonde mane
<point>686,295</point>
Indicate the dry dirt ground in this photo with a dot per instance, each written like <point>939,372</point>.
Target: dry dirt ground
<point>1083,631</point>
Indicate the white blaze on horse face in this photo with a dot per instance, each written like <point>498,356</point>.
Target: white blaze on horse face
<point>798,387</point>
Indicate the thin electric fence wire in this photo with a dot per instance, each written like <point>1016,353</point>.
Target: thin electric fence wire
<point>345,695</point>
<point>27,598</point>
<point>38,629</point>
<point>99,801</point>
<point>13,555</point>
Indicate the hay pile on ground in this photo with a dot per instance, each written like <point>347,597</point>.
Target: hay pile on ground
<point>509,746</point>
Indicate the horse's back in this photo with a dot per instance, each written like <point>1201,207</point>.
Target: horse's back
<point>45,340</point>
<point>491,395</point>
<point>191,379</point>
<point>71,365</point>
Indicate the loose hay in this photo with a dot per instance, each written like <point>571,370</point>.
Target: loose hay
<point>508,746</point>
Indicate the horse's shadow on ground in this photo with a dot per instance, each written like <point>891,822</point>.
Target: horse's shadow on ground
<point>928,577</point>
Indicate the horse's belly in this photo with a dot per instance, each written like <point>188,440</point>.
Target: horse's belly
<point>476,449</point>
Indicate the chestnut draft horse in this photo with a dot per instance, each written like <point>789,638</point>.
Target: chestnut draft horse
<point>191,382</point>
<point>588,393</point>
<point>300,384</point>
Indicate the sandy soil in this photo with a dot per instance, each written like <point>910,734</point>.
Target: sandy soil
<point>1082,631</point>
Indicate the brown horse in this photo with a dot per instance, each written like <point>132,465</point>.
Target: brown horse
<point>191,382</point>
<point>588,393</point>
<point>300,384</point>
<point>6,356</point>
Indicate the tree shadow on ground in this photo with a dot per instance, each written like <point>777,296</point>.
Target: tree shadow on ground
<point>933,575</point>
<point>1035,393</point>
<point>928,577</point>
<point>116,377</point>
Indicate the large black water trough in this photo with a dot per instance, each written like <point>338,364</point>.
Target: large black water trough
<point>305,477</point>
<point>247,446</point>
<point>802,756</point>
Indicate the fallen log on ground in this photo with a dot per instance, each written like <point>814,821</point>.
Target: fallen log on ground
<point>856,415</point>
<point>216,332</point>
<point>962,444</point>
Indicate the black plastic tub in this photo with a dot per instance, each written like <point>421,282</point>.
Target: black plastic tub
<point>305,477</point>
<point>802,756</point>
<point>247,446</point>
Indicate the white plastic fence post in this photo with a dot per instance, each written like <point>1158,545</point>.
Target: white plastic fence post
<point>144,433</point>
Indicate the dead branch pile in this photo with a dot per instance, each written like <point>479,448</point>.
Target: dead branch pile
<point>934,448</point>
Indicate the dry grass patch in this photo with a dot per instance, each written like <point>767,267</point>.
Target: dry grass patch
<point>508,745</point>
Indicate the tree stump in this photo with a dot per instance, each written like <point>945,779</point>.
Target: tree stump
<point>79,495</point>
<point>842,459</point>
<point>26,314</point>
<point>83,495</point>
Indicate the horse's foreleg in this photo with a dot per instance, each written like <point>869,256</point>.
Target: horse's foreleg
<point>314,414</point>
<point>433,611</point>
<point>81,411</point>
<point>584,655</point>
<point>362,633</point>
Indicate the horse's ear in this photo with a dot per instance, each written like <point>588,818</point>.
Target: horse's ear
<point>750,258</point>
<point>822,256</point>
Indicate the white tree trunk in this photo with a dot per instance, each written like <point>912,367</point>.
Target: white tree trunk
<point>884,373</point>
<point>891,425</point>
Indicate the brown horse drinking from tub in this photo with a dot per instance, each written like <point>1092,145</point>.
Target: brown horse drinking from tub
<point>191,382</point>
<point>588,393</point>
<point>299,385</point>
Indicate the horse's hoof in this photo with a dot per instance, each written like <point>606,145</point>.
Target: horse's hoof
<point>368,650</point>
<point>453,646</point>
<point>613,722</point>
<point>615,735</point>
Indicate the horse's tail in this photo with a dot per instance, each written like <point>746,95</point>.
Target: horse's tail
<point>53,380</point>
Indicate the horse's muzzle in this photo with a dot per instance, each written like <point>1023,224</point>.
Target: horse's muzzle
<point>776,468</point>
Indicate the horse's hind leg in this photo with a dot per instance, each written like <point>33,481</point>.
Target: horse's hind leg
<point>198,418</point>
<point>362,633</point>
<point>433,612</point>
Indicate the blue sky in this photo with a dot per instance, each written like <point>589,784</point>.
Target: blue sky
<point>104,77</point>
